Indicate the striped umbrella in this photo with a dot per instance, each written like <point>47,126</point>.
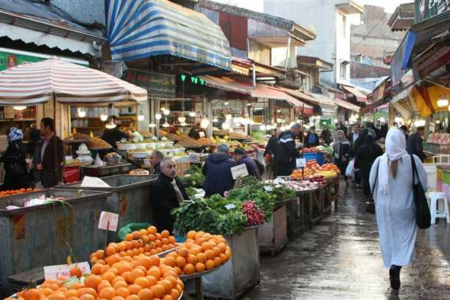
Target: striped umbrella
<point>58,80</point>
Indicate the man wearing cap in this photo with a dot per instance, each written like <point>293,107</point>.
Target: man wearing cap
<point>241,157</point>
<point>286,153</point>
<point>414,143</point>
<point>217,170</point>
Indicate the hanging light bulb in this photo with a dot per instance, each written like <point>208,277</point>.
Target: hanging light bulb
<point>166,112</point>
<point>192,114</point>
<point>215,120</point>
<point>204,123</point>
<point>262,127</point>
<point>152,125</point>
<point>442,102</point>
<point>158,116</point>
<point>226,103</point>
<point>141,117</point>
<point>183,124</point>
<point>20,107</point>
<point>182,119</point>
<point>81,113</point>
<point>165,125</point>
<point>103,117</point>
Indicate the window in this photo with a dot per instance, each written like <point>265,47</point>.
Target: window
<point>344,27</point>
<point>343,70</point>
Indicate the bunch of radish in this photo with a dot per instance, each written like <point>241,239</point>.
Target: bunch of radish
<point>255,216</point>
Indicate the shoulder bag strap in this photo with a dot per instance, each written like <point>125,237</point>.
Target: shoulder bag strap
<point>414,169</point>
<point>376,179</point>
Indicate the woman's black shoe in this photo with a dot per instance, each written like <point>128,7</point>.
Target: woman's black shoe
<point>394,277</point>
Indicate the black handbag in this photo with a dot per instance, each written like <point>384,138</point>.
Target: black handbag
<point>17,165</point>
<point>370,205</point>
<point>423,216</point>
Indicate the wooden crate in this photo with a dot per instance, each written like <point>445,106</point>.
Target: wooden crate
<point>273,235</point>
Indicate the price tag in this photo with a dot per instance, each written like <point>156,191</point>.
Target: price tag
<point>201,134</point>
<point>239,171</point>
<point>268,188</point>
<point>301,162</point>
<point>108,221</point>
<point>230,206</point>
<point>58,271</point>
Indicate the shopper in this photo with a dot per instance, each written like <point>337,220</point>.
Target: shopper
<point>217,170</point>
<point>167,193</point>
<point>353,136</point>
<point>364,159</point>
<point>414,143</point>
<point>405,130</point>
<point>269,153</point>
<point>286,153</point>
<point>50,155</point>
<point>241,157</point>
<point>16,171</point>
<point>394,203</point>
<point>155,161</point>
<point>312,139</point>
<point>342,153</point>
<point>113,135</point>
<point>197,132</point>
<point>326,136</point>
<point>33,144</point>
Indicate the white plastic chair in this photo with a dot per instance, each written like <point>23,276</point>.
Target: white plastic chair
<point>434,200</point>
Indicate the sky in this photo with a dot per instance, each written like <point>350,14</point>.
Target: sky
<point>258,5</point>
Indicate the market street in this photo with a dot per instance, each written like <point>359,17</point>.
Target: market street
<point>340,259</point>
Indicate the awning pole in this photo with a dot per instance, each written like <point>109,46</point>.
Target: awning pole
<point>254,76</point>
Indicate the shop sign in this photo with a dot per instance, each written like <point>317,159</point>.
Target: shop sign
<point>9,60</point>
<point>158,85</point>
<point>426,9</point>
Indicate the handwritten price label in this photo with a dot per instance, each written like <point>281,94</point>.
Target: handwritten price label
<point>58,271</point>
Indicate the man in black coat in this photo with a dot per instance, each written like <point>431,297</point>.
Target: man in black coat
<point>166,194</point>
<point>414,143</point>
<point>286,153</point>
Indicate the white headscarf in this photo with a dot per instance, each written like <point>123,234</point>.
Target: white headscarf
<point>395,149</point>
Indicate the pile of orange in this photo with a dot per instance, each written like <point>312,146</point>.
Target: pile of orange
<point>139,278</point>
<point>146,241</point>
<point>201,252</point>
<point>16,192</point>
<point>331,167</point>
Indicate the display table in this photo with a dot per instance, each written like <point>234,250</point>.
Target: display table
<point>331,194</point>
<point>273,235</point>
<point>95,171</point>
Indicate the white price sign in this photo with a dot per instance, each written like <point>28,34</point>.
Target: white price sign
<point>108,221</point>
<point>239,171</point>
<point>59,271</point>
<point>301,163</point>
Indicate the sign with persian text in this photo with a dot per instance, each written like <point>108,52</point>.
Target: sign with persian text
<point>158,85</point>
<point>426,9</point>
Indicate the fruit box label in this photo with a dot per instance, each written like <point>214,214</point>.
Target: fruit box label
<point>108,221</point>
<point>59,271</point>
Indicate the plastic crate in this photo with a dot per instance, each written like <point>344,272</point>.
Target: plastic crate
<point>319,157</point>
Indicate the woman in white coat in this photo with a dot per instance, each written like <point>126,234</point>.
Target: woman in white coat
<point>394,203</point>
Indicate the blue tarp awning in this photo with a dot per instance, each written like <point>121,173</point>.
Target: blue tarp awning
<point>400,63</point>
<point>145,28</point>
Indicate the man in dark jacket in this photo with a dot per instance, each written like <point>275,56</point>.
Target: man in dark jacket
<point>217,170</point>
<point>113,135</point>
<point>155,161</point>
<point>286,152</point>
<point>414,143</point>
<point>312,139</point>
<point>241,158</point>
<point>326,136</point>
<point>49,159</point>
<point>167,193</point>
<point>197,132</point>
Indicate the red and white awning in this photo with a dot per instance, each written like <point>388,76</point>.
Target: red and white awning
<point>36,83</point>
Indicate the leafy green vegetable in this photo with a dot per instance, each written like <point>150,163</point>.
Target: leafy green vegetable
<point>194,177</point>
<point>191,192</point>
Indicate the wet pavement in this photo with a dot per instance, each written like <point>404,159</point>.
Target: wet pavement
<point>340,259</point>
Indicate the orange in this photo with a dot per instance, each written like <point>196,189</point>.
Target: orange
<point>32,294</point>
<point>222,246</point>
<point>217,261</point>
<point>191,234</point>
<point>155,260</point>
<point>200,241</point>
<point>120,284</point>
<point>175,294</point>
<point>121,247</point>
<point>178,270</point>
<point>201,257</point>
<point>172,239</point>
<point>181,262</point>
<point>57,296</point>
<point>134,274</point>
<point>105,269</point>
<point>107,293</point>
<point>126,275</point>
<point>158,291</point>
<point>75,272</point>
<point>87,290</point>
<point>111,249</point>
<point>173,281</point>
<point>134,289</point>
<point>210,264</point>
<point>144,261</point>
<point>92,281</point>
<point>100,254</point>
<point>111,260</point>
<point>45,291</point>
<point>133,297</point>
<point>70,298</point>
<point>199,267</point>
<point>103,284</point>
<point>77,286</point>
<point>170,261</point>
<point>195,250</point>
<point>143,282</point>
<point>128,244</point>
<point>223,258</point>
<point>167,297</point>
<point>152,280</point>
<point>165,241</point>
<point>183,252</point>
<point>118,298</point>
<point>210,254</point>
<point>143,232</point>
<point>170,273</point>
<point>134,244</point>
<point>217,251</point>
<point>152,237</point>
<point>145,294</point>
<point>117,279</point>
<point>136,235</point>
<point>109,276</point>
<point>87,297</point>
<point>155,272</point>
<point>206,246</point>
<point>188,269</point>
<point>123,292</point>
<point>96,269</point>
<point>167,285</point>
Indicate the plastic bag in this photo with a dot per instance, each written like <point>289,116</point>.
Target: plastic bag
<point>350,171</point>
<point>129,228</point>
